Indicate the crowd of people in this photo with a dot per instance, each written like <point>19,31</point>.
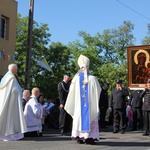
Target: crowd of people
<point>82,107</point>
<point>126,108</point>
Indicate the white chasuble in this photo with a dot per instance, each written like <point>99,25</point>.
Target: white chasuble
<point>12,122</point>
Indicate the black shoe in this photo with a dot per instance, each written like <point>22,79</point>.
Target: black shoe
<point>80,142</point>
<point>122,132</point>
<point>32,134</point>
<point>115,131</point>
<point>145,134</point>
<point>90,141</point>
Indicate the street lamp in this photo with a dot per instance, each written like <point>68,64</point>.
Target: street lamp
<point>29,45</point>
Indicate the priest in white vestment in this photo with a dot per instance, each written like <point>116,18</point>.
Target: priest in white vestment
<point>82,104</point>
<point>12,122</point>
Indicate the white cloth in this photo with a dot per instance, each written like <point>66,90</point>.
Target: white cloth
<point>12,122</point>
<point>13,137</point>
<point>33,113</point>
<point>83,63</point>
<point>73,106</point>
<point>94,133</point>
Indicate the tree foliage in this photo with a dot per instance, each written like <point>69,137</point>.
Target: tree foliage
<point>57,55</point>
<point>146,40</point>
<point>40,40</point>
<point>107,52</point>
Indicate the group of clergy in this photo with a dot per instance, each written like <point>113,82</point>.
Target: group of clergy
<point>17,121</point>
<point>81,105</point>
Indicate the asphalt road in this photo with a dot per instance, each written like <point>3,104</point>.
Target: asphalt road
<point>52,140</point>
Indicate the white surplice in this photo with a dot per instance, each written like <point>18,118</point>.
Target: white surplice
<point>12,122</point>
<point>33,113</point>
<point>73,107</point>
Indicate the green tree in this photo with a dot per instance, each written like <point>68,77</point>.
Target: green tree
<point>41,37</point>
<point>90,47</point>
<point>107,52</point>
<point>58,59</point>
<point>57,55</point>
<point>115,43</point>
<point>146,40</point>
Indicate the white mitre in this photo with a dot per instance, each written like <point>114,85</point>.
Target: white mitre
<point>83,63</point>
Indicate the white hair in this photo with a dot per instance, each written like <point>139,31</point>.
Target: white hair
<point>25,92</point>
<point>11,66</point>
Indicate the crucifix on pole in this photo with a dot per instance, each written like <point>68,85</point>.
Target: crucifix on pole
<point>29,45</point>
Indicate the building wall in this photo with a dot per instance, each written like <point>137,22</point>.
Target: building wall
<point>8,11</point>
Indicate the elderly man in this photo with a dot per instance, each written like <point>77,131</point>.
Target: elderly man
<point>33,113</point>
<point>82,104</point>
<point>12,123</point>
<point>25,97</point>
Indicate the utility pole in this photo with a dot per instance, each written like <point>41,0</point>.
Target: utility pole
<point>29,45</point>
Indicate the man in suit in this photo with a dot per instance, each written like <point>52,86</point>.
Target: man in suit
<point>135,102</point>
<point>103,104</point>
<point>64,117</point>
<point>118,103</point>
<point>146,108</point>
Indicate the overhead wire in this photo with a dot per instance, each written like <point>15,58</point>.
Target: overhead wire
<point>133,10</point>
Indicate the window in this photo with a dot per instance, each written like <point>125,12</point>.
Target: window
<point>4,27</point>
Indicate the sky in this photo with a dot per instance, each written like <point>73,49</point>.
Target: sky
<point>65,18</point>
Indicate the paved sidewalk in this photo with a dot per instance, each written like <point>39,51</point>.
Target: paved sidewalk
<point>52,140</point>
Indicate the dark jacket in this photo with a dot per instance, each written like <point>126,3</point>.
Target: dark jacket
<point>146,101</point>
<point>118,98</point>
<point>103,102</point>
<point>23,103</point>
<point>135,100</point>
<point>63,89</point>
